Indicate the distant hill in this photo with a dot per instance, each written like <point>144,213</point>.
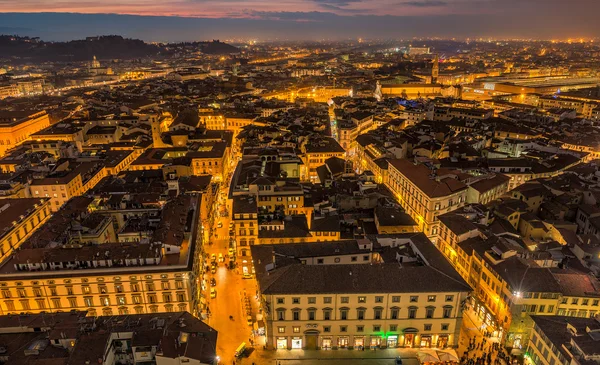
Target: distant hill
<point>103,47</point>
<point>217,48</point>
<point>28,49</point>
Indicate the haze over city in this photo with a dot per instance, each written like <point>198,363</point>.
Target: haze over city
<point>186,20</point>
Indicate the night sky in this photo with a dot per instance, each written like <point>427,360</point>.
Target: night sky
<point>301,19</point>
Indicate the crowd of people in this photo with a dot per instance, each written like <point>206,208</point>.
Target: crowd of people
<point>485,352</point>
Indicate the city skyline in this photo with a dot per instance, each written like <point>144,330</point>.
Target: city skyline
<point>185,20</point>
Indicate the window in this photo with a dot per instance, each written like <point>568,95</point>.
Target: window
<point>327,300</point>
<point>595,302</point>
<point>296,315</point>
<point>281,329</point>
<point>393,327</point>
<point>343,328</point>
<point>320,261</point>
<point>360,328</point>
<point>327,314</point>
<point>379,299</point>
<point>312,300</point>
<point>427,327</point>
<point>445,326</point>
<point>377,313</point>
<point>362,299</point>
<point>376,328</point>
<point>295,300</point>
<point>88,301</point>
<point>360,314</point>
<point>574,301</point>
<point>394,313</point>
<point>353,258</point>
<point>550,308</point>
<point>311,315</point>
<point>296,329</point>
<point>429,312</point>
<point>280,315</point>
<point>280,301</point>
<point>343,314</point>
<point>414,298</point>
<point>396,299</point>
<point>431,298</point>
<point>326,328</point>
<point>449,298</point>
<point>412,312</point>
<point>345,299</point>
<point>447,311</point>
<point>366,258</point>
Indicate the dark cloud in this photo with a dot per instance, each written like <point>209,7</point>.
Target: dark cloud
<point>426,3</point>
<point>337,2</point>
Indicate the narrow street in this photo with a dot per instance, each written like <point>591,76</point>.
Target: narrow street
<point>230,290</point>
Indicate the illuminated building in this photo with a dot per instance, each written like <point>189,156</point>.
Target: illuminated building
<point>362,304</point>
<point>9,91</point>
<point>17,127</point>
<point>413,51</point>
<point>74,180</point>
<point>425,193</point>
<point>435,70</point>
<point>315,151</point>
<point>563,340</point>
<point>511,283</point>
<point>54,272</point>
<point>20,218</point>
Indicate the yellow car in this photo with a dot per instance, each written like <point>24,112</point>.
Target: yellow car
<point>213,293</point>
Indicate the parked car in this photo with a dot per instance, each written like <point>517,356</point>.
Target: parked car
<point>213,258</point>
<point>249,320</point>
<point>398,360</point>
<point>213,292</point>
<point>221,258</point>
<point>220,224</point>
<point>213,282</point>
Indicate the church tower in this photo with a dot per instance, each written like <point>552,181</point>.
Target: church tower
<point>95,63</point>
<point>435,70</point>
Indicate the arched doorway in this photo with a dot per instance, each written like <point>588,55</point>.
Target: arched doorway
<point>312,337</point>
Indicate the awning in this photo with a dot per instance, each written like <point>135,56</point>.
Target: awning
<point>427,356</point>
<point>448,355</point>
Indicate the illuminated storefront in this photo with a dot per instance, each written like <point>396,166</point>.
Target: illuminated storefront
<point>281,343</point>
<point>392,341</point>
